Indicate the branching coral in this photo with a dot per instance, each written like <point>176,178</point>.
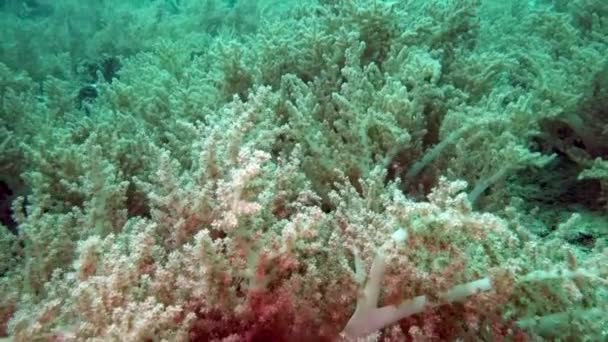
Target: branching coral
<point>343,170</point>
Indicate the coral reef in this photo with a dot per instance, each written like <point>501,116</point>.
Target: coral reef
<point>319,170</point>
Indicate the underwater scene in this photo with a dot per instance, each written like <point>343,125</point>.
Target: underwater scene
<point>303,170</point>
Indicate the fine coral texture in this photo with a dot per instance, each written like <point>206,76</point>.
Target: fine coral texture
<point>319,170</point>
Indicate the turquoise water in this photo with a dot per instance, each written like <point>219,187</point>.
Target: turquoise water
<point>318,170</point>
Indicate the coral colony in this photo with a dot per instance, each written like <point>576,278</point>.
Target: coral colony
<point>310,170</point>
